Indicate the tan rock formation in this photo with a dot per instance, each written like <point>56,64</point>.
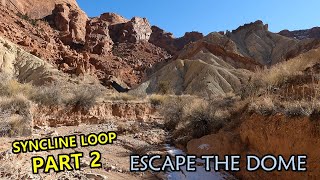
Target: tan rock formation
<point>206,76</point>
<point>17,63</point>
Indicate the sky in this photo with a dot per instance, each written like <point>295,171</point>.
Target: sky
<point>180,16</point>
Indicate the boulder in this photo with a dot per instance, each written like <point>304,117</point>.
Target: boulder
<point>113,18</point>
<point>135,30</point>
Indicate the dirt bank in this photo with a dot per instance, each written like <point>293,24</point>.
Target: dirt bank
<point>98,114</point>
<point>261,135</point>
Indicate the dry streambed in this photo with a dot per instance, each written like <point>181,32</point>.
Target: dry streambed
<point>140,131</point>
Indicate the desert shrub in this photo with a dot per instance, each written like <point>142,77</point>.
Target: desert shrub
<point>173,111</point>
<point>19,126</point>
<point>200,123</point>
<point>157,100</point>
<point>203,118</point>
<point>164,87</point>
<point>297,108</point>
<point>191,117</point>
<point>277,75</point>
<point>15,119</point>
<point>13,87</point>
<point>252,87</point>
<point>263,105</point>
<point>222,114</point>
<point>18,105</point>
<point>4,78</point>
<point>27,18</point>
<point>48,95</point>
<point>84,97</point>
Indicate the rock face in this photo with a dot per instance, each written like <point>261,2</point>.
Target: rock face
<point>187,38</point>
<point>220,46</point>
<point>113,18</point>
<point>167,41</point>
<point>137,29</point>
<point>138,57</point>
<point>251,42</point>
<point>313,33</point>
<point>71,21</point>
<point>131,50</point>
<point>255,41</point>
<point>162,39</point>
<point>35,9</point>
<point>98,40</point>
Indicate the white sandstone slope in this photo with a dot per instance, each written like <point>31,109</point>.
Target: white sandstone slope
<point>25,67</point>
<point>206,76</point>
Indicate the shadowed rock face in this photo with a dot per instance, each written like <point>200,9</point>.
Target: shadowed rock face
<point>167,41</point>
<point>302,34</point>
<point>71,21</point>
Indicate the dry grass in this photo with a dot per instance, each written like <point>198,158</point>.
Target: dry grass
<point>164,87</point>
<point>269,105</point>
<point>80,96</point>
<point>282,72</point>
<point>12,87</point>
<point>266,88</point>
<point>121,97</point>
<point>266,79</point>
<point>15,119</point>
<point>157,99</point>
<point>298,108</point>
<point>263,105</point>
<point>48,95</point>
